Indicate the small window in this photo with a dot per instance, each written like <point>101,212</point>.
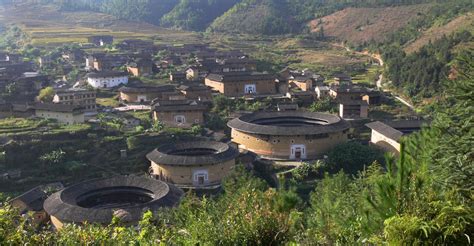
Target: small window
<point>180,119</point>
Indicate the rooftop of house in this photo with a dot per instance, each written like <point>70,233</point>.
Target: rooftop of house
<point>350,89</point>
<point>33,199</point>
<point>193,87</point>
<point>193,153</point>
<point>60,91</point>
<point>106,74</point>
<point>57,107</point>
<point>240,76</point>
<point>396,129</point>
<point>349,102</point>
<point>301,78</point>
<point>301,93</point>
<point>149,89</point>
<point>178,105</point>
<point>287,106</point>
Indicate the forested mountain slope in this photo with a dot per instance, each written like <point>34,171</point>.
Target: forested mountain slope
<point>437,31</point>
<point>196,14</point>
<point>256,17</point>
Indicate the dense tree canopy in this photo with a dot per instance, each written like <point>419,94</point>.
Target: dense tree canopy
<point>422,72</point>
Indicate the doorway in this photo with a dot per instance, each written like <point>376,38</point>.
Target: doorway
<point>250,89</point>
<point>200,177</point>
<point>298,152</point>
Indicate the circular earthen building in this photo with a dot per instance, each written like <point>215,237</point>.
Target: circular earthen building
<point>289,135</point>
<point>200,164</point>
<point>99,200</point>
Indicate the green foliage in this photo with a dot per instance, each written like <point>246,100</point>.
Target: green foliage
<point>246,213</point>
<point>450,137</point>
<point>197,130</point>
<point>46,94</point>
<point>324,105</point>
<point>353,157</point>
<point>132,142</point>
<point>13,38</point>
<point>196,14</point>
<point>53,158</point>
<point>137,10</point>
<point>224,106</point>
<point>421,73</point>
<point>308,170</point>
<point>256,17</point>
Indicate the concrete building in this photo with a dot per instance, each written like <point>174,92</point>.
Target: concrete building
<point>195,165</point>
<point>107,79</point>
<point>78,97</point>
<point>288,135</point>
<point>177,76</point>
<point>142,67</point>
<point>145,94</point>
<point>347,93</point>
<point>179,113</point>
<point>197,92</point>
<point>99,200</point>
<point>63,113</point>
<point>387,135</point>
<point>353,109</point>
<point>321,91</point>
<point>341,79</point>
<point>242,83</point>
<point>304,83</point>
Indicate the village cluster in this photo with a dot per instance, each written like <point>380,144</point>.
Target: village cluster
<point>289,132</point>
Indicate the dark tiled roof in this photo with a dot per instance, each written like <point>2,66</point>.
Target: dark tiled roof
<point>385,129</point>
<point>143,89</point>
<point>302,78</point>
<point>33,199</point>
<point>63,204</point>
<point>352,102</point>
<point>105,74</point>
<point>195,87</point>
<point>239,76</point>
<point>178,105</point>
<point>342,76</point>
<point>350,89</point>
<point>289,123</point>
<point>220,152</point>
<point>57,107</point>
<point>302,93</point>
<point>396,129</point>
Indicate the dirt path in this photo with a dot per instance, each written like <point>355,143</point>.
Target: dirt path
<point>380,61</point>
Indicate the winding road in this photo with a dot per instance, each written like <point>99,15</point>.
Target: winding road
<point>379,82</point>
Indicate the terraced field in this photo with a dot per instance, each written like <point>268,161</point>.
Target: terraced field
<point>47,26</point>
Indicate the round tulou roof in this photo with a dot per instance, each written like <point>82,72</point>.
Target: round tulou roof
<point>193,153</point>
<point>288,123</point>
<point>98,200</point>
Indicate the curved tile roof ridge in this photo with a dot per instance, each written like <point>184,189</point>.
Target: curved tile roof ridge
<point>63,204</point>
<point>317,123</point>
<point>222,152</point>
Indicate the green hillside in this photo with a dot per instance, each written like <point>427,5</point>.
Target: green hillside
<point>142,10</point>
<point>196,14</point>
<point>256,17</point>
